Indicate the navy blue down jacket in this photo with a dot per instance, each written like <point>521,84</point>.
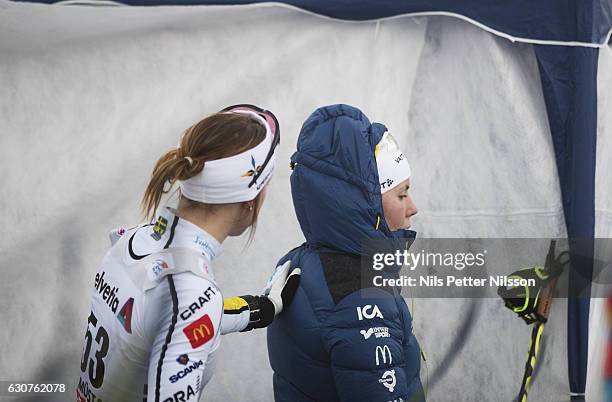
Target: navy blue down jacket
<point>333,343</point>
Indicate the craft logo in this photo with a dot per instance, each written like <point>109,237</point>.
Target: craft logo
<point>181,395</point>
<point>125,315</point>
<point>368,312</point>
<point>109,295</point>
<point>388,380</point>
<point>183,359</point>
<point>184,372</point>
<point>195,306</point>
<point>160,228</point>
<point>383,355</point>
<point>251,172</point>
<point>399,158</point>
<point>158,266</point>
<point>378,332</point>
<point>200,331</point>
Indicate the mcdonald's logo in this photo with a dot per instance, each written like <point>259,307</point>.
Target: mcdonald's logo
<point>383,355</point>
<point>200,331</point>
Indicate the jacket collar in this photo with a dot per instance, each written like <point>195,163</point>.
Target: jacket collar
<point>186,234</point>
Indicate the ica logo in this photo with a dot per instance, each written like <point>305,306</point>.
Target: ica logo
<point>368,312</point>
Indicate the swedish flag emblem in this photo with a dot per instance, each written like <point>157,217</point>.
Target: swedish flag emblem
<point>160,228</point>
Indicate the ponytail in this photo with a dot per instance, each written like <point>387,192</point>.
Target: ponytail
<point>218,136</point>
<point>163,172</point>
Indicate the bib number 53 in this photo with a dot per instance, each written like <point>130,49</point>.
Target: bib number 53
<point>96,362</point>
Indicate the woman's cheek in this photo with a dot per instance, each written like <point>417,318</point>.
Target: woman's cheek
<point>396,216</point>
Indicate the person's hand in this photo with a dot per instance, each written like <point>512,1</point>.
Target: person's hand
<point>244,313</point>
<point>282,285</point>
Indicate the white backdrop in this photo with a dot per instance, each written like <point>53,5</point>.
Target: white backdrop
<point>599,329</point>
<point>91,97</point>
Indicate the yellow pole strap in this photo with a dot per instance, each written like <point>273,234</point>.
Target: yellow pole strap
<point>534,348</point>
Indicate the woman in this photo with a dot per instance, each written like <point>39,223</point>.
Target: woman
<point>155,321</point>
<point>335,343</point>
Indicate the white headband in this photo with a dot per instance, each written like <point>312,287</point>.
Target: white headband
<point>393,167</point>
<point>227,180</point>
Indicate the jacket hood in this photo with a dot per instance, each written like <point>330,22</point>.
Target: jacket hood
<point>335,185</point>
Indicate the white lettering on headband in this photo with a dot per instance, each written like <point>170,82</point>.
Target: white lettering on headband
<point>227,180</point>
<point>393,167</point>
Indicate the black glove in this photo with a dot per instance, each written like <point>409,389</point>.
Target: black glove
<point>277,294</point>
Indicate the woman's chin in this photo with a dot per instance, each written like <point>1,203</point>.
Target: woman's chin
<point>238,232</point>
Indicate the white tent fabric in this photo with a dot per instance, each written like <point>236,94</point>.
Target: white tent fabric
<point>92,96</point>
<point>598,328</point>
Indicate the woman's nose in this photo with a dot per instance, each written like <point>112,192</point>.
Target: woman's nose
<point>411,208</point>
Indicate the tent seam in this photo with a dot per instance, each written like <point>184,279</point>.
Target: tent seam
<point>480,25</point>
